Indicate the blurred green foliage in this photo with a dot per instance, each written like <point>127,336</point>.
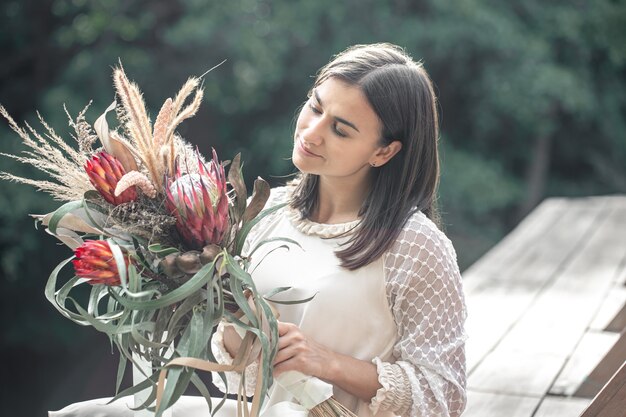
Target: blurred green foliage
<point>532,97</point>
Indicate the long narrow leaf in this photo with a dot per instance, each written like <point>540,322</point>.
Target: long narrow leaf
<point>194,284</point>
<point>61,212</point>
<point>274,239</point>
<point>245,229</point>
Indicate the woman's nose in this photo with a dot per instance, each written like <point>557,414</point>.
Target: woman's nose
<point>313,133</point>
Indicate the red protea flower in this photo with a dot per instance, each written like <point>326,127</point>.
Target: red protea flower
<point>104,171</point>
<point>95,261</point>
<point>200,203</point>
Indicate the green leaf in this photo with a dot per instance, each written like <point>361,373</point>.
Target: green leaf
<point>245,229</point>
<point>172,387</point>
<point>202,389</point>
<point>274,239</point>
<point>58,301</point>
<point>61,212</point>
<point>276,291</point>
<point>162,251</point>
<point>196,282</point>
<point>291,302</point>
<point>120,262</point>
<point>147,383</point>
<point>139,253</point>
<point>91,195</point>
<point>121,368</point>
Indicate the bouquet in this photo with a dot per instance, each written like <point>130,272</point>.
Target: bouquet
<point>158,233</point>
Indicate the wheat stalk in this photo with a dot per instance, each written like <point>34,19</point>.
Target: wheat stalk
<point>137,123</point>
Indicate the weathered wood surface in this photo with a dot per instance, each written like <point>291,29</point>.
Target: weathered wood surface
<point>611,401</point>
<point>614,358</point>
<point>539,304</point>
<point>587,354</point>
<point>561,407</point>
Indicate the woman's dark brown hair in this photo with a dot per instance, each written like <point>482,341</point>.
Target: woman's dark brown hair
<point>401,93</point>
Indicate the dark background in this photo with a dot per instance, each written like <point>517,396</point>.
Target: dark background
<point>532,97</point>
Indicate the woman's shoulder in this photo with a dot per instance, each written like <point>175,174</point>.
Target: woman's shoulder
<point>420,237</point>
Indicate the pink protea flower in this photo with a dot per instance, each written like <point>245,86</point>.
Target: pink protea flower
<point>105,171</point>
<point>94,261</point>
<point>200,203</point>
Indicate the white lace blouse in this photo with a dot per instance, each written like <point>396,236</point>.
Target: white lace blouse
<point>404,312</point>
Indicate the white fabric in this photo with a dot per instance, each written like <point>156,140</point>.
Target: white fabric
<point>308,390</point>
<point>187,406</point>
<point>405,309</point>
<point>393,394</point>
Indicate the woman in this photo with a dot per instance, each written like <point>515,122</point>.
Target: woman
<point>385,327</point>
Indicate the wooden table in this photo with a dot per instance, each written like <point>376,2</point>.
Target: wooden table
<point>539,308</point>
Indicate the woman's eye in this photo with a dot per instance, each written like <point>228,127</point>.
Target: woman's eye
<point>315,109</point>
<point>339,131</point>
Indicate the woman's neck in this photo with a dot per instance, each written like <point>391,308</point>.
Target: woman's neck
<point>339,201</point>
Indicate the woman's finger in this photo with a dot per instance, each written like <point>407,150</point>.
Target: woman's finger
<point>284,354</point>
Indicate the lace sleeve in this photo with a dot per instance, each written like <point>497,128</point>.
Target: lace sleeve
<point>233,379</point>
<point>425,294</point>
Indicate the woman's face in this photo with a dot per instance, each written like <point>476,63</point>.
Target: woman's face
<point>337,133</point>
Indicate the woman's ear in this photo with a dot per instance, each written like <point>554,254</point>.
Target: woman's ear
<point>385,153</point>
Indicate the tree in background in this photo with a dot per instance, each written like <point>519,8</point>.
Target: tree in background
<point>532,96</point>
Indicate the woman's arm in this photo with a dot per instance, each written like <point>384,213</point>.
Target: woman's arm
<point>425,293</point>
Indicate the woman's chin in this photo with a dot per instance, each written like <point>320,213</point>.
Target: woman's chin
<point>301,164</point>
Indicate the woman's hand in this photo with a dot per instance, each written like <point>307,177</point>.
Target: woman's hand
<point>296,352</point>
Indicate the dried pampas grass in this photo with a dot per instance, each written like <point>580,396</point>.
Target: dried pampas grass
<point>331,408</point>
<point>50,154</point>
<point>156,147</point>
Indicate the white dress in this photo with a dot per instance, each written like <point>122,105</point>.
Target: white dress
<point>404,312</point>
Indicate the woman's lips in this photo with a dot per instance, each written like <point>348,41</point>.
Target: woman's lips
<point>305,151</point>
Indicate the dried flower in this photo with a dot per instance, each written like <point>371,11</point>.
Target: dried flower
<point>199,203</point>
<point>95,261</point>
<point>135,178</point>
<point>104,172</point>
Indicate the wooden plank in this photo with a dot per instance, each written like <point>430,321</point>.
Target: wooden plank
<point>517,373</point>
<point>618,323</point>
<point>601,374</point>
<point>481,404</point>
<point>506,252</point>
<point>553,227</point>
<point>530,355</point>
<point>497,302</point>
<point>561,407</point>
<point>591,349</point>
<point>485,328</point>
<point>611,316</point>
<point>560,314</point>
<point>611,401</point>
